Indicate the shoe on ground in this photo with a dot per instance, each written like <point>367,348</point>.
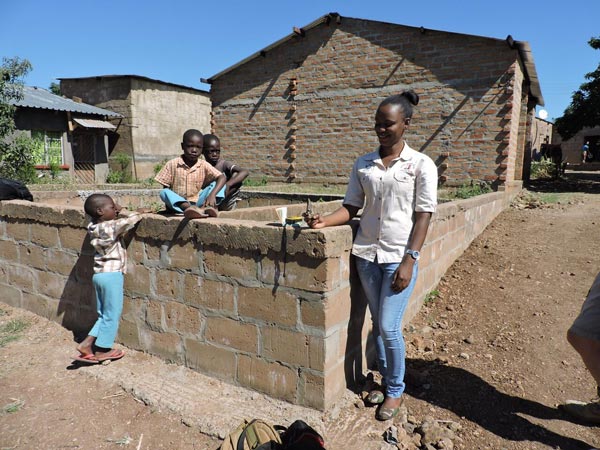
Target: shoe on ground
<point>193,212</point>
<point>375,397</point>
<point>587,412</point>
<point>383,413</point>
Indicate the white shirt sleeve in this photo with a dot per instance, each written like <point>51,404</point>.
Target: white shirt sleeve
<point>427,180</point>
<point>355,195</point>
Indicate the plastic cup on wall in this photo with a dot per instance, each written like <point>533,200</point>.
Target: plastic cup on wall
<point>281,214</point>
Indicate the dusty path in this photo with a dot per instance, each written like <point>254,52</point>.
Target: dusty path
<point>488,352</point>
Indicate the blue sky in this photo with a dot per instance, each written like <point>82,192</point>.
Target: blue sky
<point>181,41</point>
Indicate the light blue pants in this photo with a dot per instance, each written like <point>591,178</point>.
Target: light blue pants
<point>387,309</point>
<point>109,304</point>
<point>172,200</point>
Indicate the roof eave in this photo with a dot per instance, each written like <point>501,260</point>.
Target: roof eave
<point>530,72</point>
<point>263,51</point>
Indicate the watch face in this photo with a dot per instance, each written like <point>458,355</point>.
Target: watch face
<point>415,254</point>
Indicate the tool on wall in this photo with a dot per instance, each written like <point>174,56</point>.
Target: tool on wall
<point>291,141</point>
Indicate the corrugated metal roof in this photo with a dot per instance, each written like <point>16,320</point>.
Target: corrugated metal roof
<point>92,123</point>
<point>35,97</point>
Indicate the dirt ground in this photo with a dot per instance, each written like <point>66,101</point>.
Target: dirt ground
<point>488,352</point>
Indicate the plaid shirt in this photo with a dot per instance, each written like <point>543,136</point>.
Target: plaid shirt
<point>187,181</point>
<point>105,237</point>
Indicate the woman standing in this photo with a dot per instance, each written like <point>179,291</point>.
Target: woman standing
<point>398,188</point>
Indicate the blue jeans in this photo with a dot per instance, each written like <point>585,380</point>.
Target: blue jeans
<point>387,309</point>
<point>109,304</point>
<point>172,200</point>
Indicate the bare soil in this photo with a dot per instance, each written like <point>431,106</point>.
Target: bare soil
<point>488,352</point>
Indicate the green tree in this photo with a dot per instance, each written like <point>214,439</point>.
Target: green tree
<point>54,88</point>
<point>16,159</point>
<point>584,110</point>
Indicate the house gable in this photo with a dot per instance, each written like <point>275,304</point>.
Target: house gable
<point>340,72</point>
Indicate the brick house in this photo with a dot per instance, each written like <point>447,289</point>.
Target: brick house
<point>155,115</point>
<point>302,108</point>
<point>71,134</point>
<point>572,148</point>
<point>540,133</point>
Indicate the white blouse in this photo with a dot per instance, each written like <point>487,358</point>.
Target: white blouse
<point>392,196</point>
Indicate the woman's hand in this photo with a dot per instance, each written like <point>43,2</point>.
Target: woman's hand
<point>403,274</point>
<point>314,221</point>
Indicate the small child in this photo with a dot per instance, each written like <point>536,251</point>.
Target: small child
<point>110,261</point>
<point>186,176</point>
<point>234,173</point>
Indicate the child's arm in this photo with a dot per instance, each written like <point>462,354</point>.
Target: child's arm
<point>211,200</point>
<point>237,178</point>
<point>126,223</point>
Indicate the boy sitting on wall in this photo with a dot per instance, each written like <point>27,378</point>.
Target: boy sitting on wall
<point>235,174</point>
<point>192,186</point>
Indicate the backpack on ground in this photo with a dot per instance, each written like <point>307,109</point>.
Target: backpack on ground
<point>14,190</point>
<point>253,435</point>
<point>301,436</point>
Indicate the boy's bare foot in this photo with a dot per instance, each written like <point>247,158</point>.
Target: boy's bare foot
<point>193,212</point>
<point>85,346</point>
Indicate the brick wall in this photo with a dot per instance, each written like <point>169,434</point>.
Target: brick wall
<point>237,298</point>
<point>468,87</point>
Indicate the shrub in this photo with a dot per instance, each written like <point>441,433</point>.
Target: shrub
<point>472,189</point>
<point>543,169</point>
<point>115,176</point>
<point>121,175</point>
<point>16,159</point>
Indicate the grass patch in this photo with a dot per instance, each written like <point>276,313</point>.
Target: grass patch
<point>431,297</point>
<point>13,407</point>
<point>11,331</point>
<point>468,190</point>
<point>256,182</point>
<point>552,197</point>
<point>294,188</point>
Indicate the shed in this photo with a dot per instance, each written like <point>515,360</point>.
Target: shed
<point>69,133</point>
<point>302,108</point>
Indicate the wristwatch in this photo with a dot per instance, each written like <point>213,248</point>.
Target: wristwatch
<point>413,253</point>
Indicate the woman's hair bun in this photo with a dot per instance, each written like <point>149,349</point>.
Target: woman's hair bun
<point>411,96</point>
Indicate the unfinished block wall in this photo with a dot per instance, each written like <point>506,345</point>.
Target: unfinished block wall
<point>277,310</point>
